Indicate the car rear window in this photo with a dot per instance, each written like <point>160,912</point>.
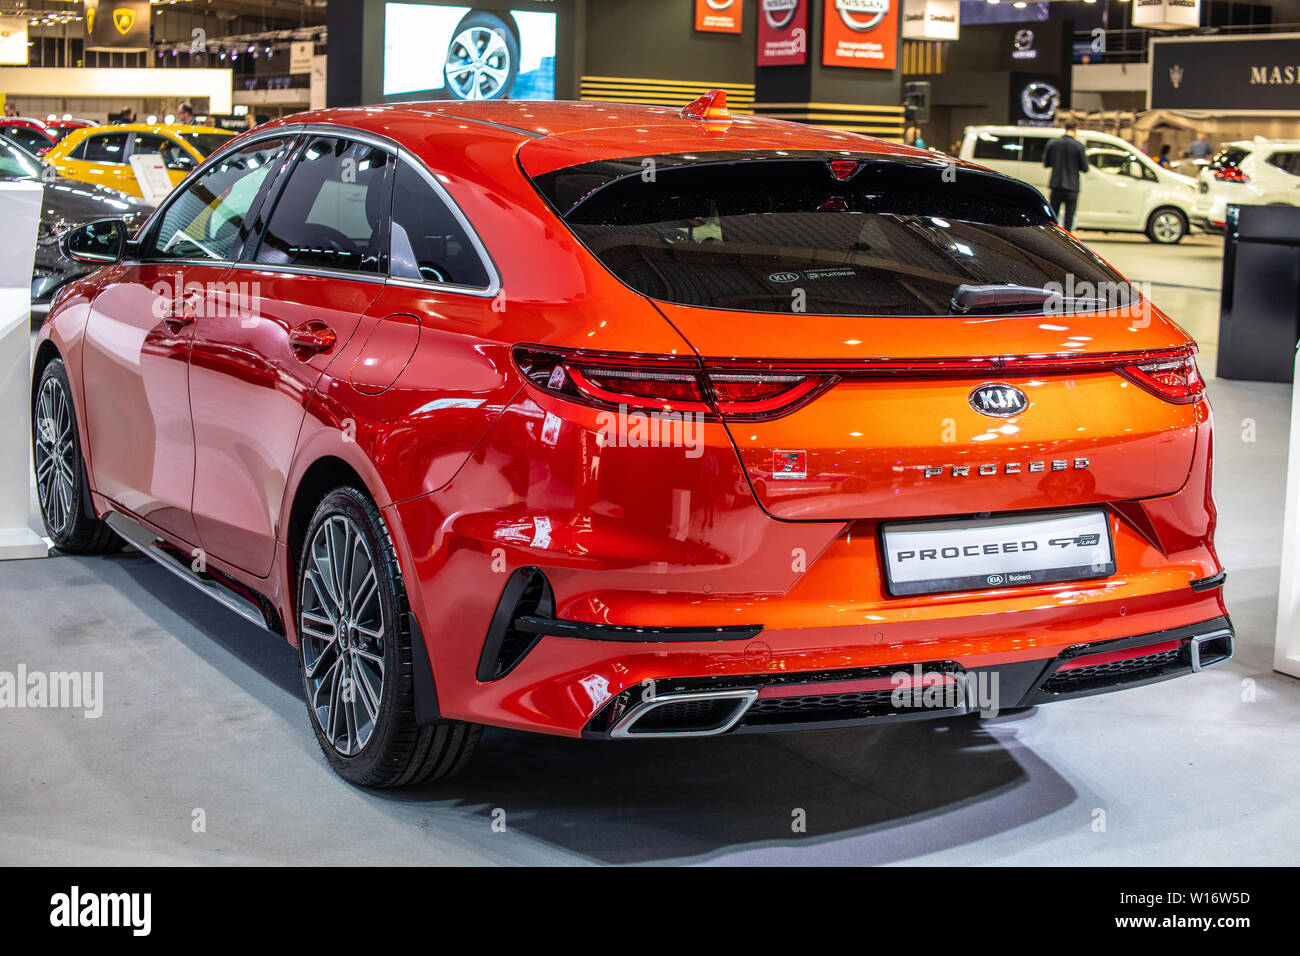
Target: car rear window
<point>777,234</point>
<point>207,143</point>
<point>1230,157</point>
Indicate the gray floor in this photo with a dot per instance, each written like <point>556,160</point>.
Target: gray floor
<point>204,713</point>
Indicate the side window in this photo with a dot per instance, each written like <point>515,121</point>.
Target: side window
<point>992,146</point>
<point>428,241</point>
<point>1108,160</point>
<point>173,155</point>
<point>106,148</point>
<point>205,220</point>
<point>333,211</point>
<point>1033,149</point>
<point>1286,161</point>
<point>79,151</point>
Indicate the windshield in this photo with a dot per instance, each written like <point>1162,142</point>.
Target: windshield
<point>798,235</point>
<point>206,143</point>
<point>18,164</point>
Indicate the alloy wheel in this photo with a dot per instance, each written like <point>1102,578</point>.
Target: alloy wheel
<point>478,64</point>
<point>342,635</point>
<point>56,457</point>
<point>1167,227</point>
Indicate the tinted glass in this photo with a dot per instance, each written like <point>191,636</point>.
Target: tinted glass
<point>206,143</point>
<point>993,146</point>
<point>105,148</point>
<point>207,217</point>
<point>1229,157</point>
<point>28,139</point>
<point>1032,149</point>
<point>172,153</point>
<point>787,236</point>
<point>428,241</point>
<point>333,211</point>
<point>18,164</point>
<point>1287,162</point>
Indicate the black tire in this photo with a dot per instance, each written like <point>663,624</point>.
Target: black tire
<point>62,485</point>
<point>1166,226</point>
<point>510,42</point>
<point>395,751</point>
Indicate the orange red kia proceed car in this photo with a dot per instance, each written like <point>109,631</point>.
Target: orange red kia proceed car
<point>628,422</point>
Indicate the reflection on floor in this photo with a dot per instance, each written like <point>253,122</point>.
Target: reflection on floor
<point>205,713</point>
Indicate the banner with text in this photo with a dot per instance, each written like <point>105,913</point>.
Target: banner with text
<point>860,33</point>
<point>782,32</point>
<point>719,16</point>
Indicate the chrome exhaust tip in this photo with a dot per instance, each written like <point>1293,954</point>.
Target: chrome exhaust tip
<point>693,714</point>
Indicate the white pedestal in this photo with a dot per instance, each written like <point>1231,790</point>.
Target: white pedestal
<point>20,210</point>
<point>1286,647</point>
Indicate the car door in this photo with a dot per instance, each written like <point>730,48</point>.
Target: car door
<point>1283,169</point>
<point>136,358</point>
<point>1105,190</point>
<point>102,159</point>
<point>318,264</point>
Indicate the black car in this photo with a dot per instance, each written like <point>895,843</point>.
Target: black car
<point>66,205</point>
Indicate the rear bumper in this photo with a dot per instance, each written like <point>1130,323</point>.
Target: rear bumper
<point>824,700</point>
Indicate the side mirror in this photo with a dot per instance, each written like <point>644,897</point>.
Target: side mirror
<point>100,242</point>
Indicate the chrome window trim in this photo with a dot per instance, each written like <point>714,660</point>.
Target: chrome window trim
<point>290,130</point>
<point>321,271</point>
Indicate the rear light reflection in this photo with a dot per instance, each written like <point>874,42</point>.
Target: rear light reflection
<point>1231,174</point>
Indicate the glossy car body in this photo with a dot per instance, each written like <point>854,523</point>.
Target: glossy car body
<point>1124,190</point>
<point>563,582</point>
<point>100,154</point>
<point>65,205</point>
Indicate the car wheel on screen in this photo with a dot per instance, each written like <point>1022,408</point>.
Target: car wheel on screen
<point>60,470</point>
<point>482,58</point>
<point>355,654</point>
<point>1166,226</point>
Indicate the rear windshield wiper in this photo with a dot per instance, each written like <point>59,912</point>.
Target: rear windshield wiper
<point>1009,298</point>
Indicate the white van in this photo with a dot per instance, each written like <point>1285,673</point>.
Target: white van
<point>1123,191</point>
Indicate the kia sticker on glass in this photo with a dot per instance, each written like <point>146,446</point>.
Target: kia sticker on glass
<point>860,33</point>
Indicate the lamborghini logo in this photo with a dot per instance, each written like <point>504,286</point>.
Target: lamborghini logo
<point>124,20</point>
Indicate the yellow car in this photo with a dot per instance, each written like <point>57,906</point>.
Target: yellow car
<point>101,154</point>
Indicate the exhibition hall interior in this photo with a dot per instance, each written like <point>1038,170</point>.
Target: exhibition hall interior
<point>882,408</point>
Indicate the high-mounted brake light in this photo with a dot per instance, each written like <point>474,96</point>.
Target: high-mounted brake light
<point>843,169</point>
<point>669,384</point>
<point>1175,378</point>
<point>711,107</point>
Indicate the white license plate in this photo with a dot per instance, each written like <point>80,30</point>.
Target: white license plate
<point>930,556</point>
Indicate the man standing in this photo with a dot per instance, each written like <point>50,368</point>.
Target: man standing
<point>1066,158</point>
<point>10,109</point>
<point>1201,148</point>
<point>185,114</point>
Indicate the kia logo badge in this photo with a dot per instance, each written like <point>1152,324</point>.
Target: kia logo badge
<point>783,277</point>
<point>998,400</point>
<point>994,579</point>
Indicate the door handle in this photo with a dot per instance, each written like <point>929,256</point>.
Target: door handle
<point>311,338</point>
<point>177,315</point>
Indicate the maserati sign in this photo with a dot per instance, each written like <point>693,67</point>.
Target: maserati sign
<point>1256,72</point>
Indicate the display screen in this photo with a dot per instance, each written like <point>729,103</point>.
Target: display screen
<point>463,53</point>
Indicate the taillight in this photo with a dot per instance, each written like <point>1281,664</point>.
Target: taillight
<point>1231,174</point>
<point>1174,378</point>
<point>669,384</point>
